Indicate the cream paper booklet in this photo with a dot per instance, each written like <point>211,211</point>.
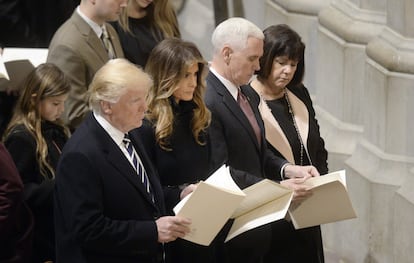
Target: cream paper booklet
<point>265,202</point>
<point>210,206</point>
<point>219,198</point>
<point>329,202</point>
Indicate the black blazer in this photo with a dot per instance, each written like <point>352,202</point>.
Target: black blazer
<point>232,137</point>
<point>233,142</point>
<point>102,211</point>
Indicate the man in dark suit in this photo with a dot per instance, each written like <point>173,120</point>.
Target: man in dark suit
<point>78,50</point>
<point>236,130</point>
<point>109,204</point>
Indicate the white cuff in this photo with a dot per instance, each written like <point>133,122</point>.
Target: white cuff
<point>282,171</point>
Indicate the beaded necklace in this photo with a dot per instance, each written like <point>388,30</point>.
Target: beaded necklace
<point>302,147</point>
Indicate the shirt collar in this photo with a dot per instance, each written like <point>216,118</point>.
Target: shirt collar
<point>113,132</point>
<point>95,27</point>
<point>233,89</point>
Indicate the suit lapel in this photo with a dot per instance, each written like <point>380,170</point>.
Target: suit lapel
<point>274,133</point>
<point>301,117</point>
<point>155,184</point>
<point>233,107</point>
<point>253,104</point>
<point>96,44</point>
<point>119,53</point>
<point>91,38</point>
<point>116,158</point>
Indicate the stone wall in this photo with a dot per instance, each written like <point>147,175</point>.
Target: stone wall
<point>360,70</point>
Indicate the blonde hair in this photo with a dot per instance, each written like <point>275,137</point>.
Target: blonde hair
<point>45,81</point>
<point>167,64</point>
<point>111,82</point>
<point>161,16</point>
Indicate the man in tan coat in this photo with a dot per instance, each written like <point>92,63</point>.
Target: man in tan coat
<point>78,50</point>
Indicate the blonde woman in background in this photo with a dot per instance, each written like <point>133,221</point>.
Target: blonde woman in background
<point>142,25</point>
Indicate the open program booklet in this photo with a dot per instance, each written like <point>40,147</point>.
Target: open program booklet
<point>329,202</point>
<point>219,198</point>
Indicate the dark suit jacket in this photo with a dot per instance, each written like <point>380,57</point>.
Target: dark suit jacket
<point>79,53</point>
<point>102,211</point>
<point>233,139</point>
<point>233,142</point>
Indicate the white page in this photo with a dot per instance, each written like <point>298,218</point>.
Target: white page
<point>222,178</point>
<point>3,71</point>
<point>36,56</point>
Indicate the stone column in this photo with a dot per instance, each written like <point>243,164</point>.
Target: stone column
<point>302,16</point>
<point>403,220</point>
<point>385,154</point>
<point>345,29</point>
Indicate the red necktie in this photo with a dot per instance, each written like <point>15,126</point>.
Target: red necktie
<point>247,109</point>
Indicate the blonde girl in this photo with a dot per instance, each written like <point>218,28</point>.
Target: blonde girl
<point>35,138</point>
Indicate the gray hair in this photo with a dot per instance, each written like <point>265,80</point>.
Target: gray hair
<point>234,32</point>
<point>113,80</point>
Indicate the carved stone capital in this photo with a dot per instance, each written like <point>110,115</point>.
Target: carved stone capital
<point>351,23</point>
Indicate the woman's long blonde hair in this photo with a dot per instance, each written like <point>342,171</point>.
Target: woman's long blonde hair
<point>161,16</point>
<point>45,81</point>
<point>167,64</point>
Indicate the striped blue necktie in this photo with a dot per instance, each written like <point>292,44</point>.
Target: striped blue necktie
<point>139,168</point>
